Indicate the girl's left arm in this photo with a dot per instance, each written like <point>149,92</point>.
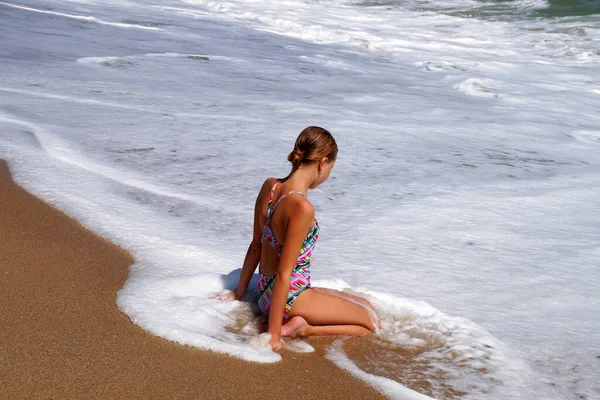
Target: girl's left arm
<point>301,218</point>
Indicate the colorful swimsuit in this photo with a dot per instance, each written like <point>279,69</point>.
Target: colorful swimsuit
<point>300,279</point>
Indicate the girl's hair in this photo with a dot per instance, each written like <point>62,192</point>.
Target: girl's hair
<point>312,144</point>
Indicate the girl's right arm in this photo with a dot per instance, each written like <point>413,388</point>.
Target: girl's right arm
<point>252,256</point>
<point>254,250</point>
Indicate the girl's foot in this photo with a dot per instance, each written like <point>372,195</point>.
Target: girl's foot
<point>296,327</point>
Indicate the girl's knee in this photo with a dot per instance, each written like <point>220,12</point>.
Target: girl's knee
<point>374,324</point>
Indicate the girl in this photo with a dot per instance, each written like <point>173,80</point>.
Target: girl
<point>285,233</point>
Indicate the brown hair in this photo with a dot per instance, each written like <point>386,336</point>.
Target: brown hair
<point>312,144</point>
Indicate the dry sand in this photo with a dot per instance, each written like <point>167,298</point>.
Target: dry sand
<point>62,335</point>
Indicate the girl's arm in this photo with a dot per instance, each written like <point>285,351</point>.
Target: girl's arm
<point>298,224</point>
<point>253,254</point>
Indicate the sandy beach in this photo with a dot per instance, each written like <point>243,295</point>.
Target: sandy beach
<point>63,337</point>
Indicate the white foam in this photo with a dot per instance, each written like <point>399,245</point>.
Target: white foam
<point>592,137</point>
<point>454,345</point>
<point>55,148</point>
<point>478,87</point>
<point>299,346</point>
<point>54,96</point>
<point>85,18</point>
<point>182,310</point>
<point>390,388</point>
<point>125,61</point>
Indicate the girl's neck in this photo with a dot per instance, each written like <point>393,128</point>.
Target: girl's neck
<point>300,179</point>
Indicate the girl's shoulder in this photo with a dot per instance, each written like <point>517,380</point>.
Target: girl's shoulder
<point>266,188</point>
<point>268,184</point>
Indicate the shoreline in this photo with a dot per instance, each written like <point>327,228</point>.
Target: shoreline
<point>64,337</point>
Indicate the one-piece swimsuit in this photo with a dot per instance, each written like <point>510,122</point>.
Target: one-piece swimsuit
<point>300,279</point>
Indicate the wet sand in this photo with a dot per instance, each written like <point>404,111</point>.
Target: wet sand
<point>62,335</point>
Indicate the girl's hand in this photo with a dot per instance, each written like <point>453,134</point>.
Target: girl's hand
<point>226,295</point>
<point>275,343</point>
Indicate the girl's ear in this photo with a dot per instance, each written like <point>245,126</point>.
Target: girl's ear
<point>322,162</point>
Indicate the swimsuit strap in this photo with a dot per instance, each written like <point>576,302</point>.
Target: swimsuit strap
<point>271,210</point>
<point>283,197</point>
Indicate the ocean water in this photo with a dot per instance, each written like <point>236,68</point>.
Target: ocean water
<point>464,203</point>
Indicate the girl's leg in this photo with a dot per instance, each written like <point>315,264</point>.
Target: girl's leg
<point>298,327</point>
<point>324,313</point>
<point>347,296</point>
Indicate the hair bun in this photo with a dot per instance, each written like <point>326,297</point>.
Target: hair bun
<point>296,157</point>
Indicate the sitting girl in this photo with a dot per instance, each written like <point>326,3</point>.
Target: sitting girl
<point>285,233</point>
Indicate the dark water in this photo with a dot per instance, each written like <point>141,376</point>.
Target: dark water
<point>502,10</point>
<point>563,8</point>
